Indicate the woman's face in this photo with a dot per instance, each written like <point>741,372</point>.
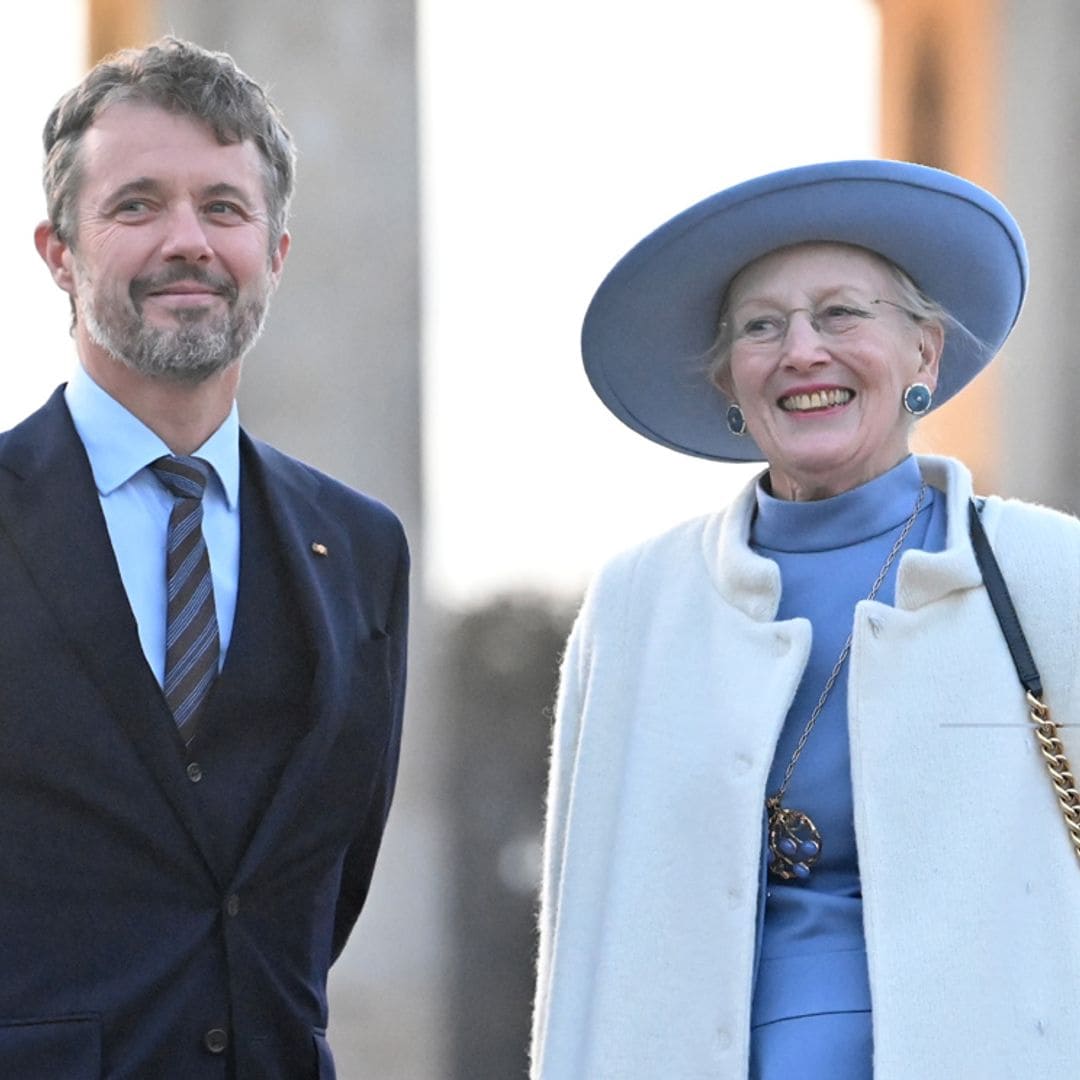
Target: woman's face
<point>819,358</point>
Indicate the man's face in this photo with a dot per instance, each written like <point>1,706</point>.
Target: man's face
<point>170,268</point>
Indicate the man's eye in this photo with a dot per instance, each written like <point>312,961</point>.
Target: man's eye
<point>132,206</point>
<point>222,209</point>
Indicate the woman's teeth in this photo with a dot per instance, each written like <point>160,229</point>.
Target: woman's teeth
<point>819,399</point>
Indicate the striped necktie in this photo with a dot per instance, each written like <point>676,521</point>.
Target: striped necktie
<point>191,629</point>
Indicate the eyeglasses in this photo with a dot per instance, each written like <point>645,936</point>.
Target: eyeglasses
<point>832,320</point>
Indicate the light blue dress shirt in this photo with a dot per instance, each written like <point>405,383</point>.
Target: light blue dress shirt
<point>137,508</point>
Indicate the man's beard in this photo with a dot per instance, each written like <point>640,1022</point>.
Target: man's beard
<point>201,345</point>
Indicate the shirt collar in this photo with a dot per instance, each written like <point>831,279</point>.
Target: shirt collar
<point>119,444</point>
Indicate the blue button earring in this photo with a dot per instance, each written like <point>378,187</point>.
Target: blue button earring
<point>918,398</point>
<point>736,422</point>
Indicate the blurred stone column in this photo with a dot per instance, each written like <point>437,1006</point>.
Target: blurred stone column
<point>1040,155</point>
<point>335,381</point>
<point>939,61</point>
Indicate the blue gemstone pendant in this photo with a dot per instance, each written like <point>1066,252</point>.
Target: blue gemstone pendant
<point>794,843</point>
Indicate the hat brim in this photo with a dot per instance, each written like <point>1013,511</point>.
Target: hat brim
<point>652,322</point>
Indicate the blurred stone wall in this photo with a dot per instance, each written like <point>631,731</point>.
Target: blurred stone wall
<point>501,669</point>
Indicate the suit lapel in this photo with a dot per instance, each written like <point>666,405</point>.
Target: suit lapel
<point>307,539</point>
<point>50,509</point>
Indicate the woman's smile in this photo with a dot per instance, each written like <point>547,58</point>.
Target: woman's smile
<point>815,400</point>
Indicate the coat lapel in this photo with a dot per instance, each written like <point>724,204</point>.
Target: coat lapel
<point>50,509</point>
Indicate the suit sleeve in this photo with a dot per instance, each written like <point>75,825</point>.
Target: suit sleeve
<point>360,857</point>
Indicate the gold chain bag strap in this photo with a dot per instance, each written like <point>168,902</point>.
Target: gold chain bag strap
<point>1047,731</point>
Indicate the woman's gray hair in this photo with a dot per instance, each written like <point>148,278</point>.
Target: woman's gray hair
<point>180,78</point>
<point>920,307</point>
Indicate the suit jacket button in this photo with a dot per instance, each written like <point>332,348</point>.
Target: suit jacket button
<point>194,772</point>
<point>216,1040</point>
<point>232,905</point>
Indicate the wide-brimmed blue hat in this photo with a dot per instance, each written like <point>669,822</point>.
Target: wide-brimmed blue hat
<point>652,322</point>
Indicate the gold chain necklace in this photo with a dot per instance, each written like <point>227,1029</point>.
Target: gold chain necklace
<point>794,839</point>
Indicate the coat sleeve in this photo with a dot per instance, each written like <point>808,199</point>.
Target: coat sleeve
<point>566,731</point>
<point>595,639</point>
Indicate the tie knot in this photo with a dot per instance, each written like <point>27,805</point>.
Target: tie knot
<point>184,477</point>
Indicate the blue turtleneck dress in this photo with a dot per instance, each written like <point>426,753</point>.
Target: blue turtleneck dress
<point>811,1009</point>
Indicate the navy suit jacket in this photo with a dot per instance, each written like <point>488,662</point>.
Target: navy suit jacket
<point>124,933</point>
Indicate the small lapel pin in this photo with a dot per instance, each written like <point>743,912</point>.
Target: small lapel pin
<point>319,549</point>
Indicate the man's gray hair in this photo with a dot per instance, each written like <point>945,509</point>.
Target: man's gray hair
<point>181,78</point>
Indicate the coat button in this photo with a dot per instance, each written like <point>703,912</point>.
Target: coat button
<point>232,905</point>
<point>194,772</point>
<point>216,1040</point>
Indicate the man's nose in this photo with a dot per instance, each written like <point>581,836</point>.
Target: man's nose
<point>185,235</point>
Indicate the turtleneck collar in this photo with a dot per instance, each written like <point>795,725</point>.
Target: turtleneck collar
<point>870,509</point>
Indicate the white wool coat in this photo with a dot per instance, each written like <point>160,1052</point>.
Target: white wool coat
<point>675,685</point>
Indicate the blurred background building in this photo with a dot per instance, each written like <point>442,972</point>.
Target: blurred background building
<point>468,172</point>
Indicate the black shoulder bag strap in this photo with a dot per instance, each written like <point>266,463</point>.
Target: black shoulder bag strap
<point>1047,733</point>
<point>1003,605</point>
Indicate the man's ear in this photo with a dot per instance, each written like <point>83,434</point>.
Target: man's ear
<point>277,257</point>
<point>56,255</point>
